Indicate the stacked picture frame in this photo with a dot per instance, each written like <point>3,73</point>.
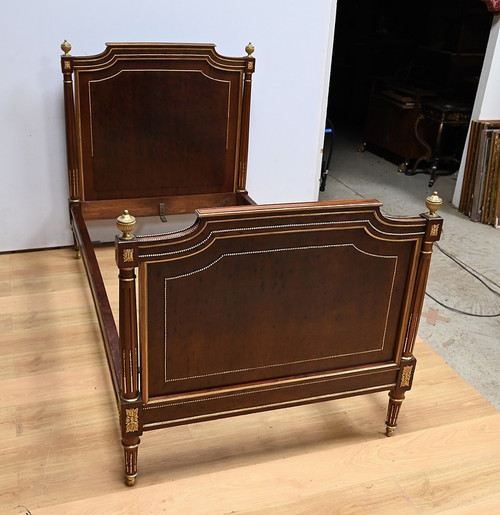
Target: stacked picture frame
<point>480,198</point>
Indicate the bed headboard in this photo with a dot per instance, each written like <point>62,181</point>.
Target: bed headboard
<point>148,120</point>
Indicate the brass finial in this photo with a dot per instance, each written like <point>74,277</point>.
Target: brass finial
<point>433,203</point>
<point>65,47</point>
<point>126,224</point>
<point>249,49</point>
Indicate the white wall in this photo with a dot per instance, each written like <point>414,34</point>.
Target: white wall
<point>487,102</point>
<point>293,42</point>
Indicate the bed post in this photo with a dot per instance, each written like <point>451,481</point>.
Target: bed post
<point>245,119</point>
<point>130,397</point>
<point>69,116</point>
<point>408,361</point>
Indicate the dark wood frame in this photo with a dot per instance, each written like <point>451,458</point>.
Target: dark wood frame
<point>316,301</point>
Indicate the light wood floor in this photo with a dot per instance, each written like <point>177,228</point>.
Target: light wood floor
<point>60,449</point>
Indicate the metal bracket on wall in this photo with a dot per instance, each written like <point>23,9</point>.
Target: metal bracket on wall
<point>163,216</point>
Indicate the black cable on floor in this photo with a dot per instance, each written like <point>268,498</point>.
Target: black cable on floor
<point>474,274</point>
<point>460,311</point>
<point>469,269</point>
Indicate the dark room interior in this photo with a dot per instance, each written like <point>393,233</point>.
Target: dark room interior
<point>393,61</point>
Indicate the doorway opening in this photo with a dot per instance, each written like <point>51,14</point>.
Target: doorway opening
<point>398,68</point>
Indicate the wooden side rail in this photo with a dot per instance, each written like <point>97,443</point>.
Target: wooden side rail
<point>101,301</point>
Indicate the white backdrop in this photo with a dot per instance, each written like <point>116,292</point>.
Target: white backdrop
<point>487,102</point>
<point>293,44</point>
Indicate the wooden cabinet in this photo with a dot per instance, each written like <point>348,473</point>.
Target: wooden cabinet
<point>391,118</point>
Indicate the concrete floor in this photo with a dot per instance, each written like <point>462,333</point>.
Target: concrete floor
<point>470,343</point>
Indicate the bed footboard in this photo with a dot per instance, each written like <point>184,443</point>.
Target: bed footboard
<point>261,307</point>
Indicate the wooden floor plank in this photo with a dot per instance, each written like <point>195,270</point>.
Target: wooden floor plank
<point>5,287</point>
<point>59,281</point>
<point>42,361</point>
<point>5,323</point>
<point>480,506</point>
<point>56,338</point>
<point>453,485</point>
<point>45,301</point>
<point>53,386</point>
<point>327,474</point>
<point>29,321</point>
<point>60,448</point>
<point>375,497</point>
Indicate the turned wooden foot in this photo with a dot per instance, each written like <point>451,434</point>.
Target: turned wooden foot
<point>403,167</point>
<point>395,401</point>
<point>130,449</point>
<point>76,247</point>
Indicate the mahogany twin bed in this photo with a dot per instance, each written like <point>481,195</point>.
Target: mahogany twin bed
<point>251,307</point>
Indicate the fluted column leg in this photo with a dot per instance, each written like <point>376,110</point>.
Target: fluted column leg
<point>396,398</point>
<point>130,449</point>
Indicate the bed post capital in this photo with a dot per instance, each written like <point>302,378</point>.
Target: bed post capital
<point>434,221</point>
<point>66,60</point>
<point>249,49</point>
<point>433,203</point>
<point>250,59</point>
<point>126,224</point>
<point>126,249</point>
<point>66,47</point>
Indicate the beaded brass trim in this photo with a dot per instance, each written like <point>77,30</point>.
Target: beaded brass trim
<point>380,345</point>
